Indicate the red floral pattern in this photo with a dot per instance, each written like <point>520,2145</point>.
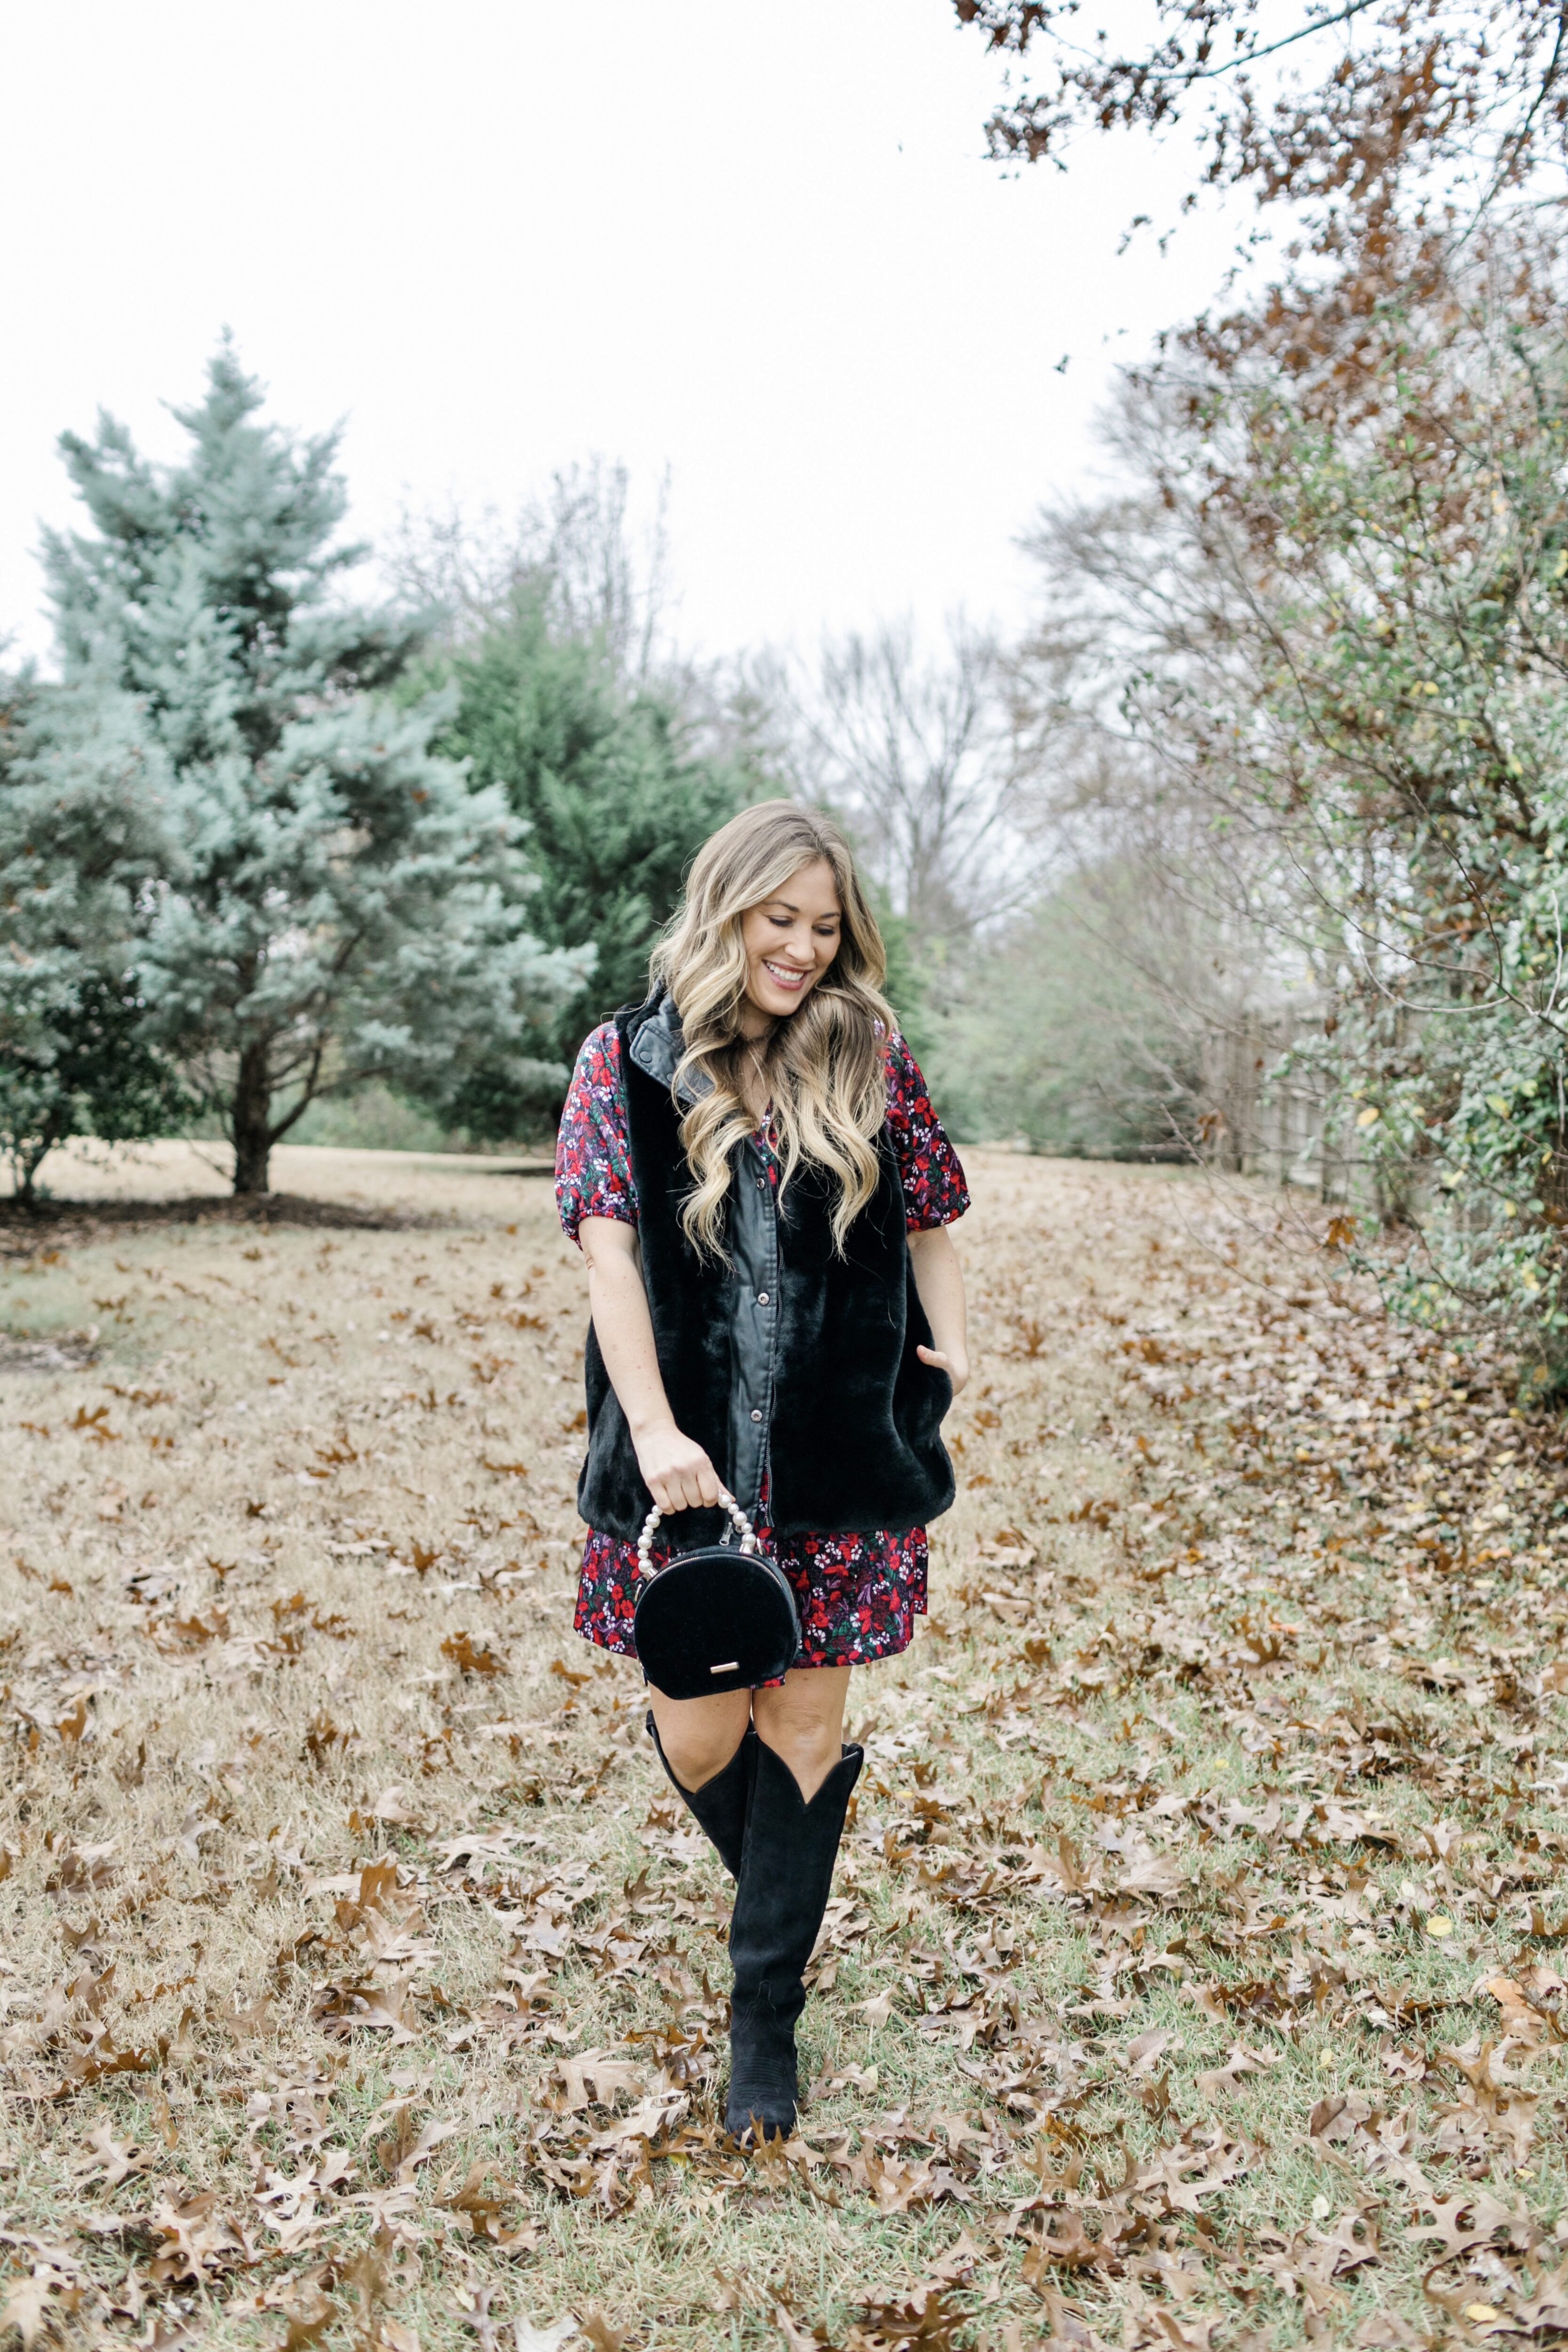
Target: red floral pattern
<point>859,1595</point>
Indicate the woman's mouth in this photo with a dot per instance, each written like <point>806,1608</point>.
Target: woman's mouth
<point>784,975</point>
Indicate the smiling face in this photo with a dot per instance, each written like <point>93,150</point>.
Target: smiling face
<point>790,940</point>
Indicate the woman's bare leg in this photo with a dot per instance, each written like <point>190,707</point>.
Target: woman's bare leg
<point>698,1736</point>
<point>802,1720</point>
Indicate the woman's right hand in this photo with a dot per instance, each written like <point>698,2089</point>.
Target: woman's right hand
<point>676,1470</point>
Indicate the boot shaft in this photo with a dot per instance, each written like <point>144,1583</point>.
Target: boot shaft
<point>786,1874</point>
<point>720,1806</point>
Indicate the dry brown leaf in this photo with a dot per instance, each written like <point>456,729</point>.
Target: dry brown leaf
<point>112,2162</point>
<point>1386,2329</point>
<point>1196,2167</point>
<point>1545,2311</point>
<point>1521,2019</point>
<point>28,2304</point>
<point>1471,2217</point>
<point>1219,2082</point>
<point>526,2337</point>
<point>1142,2056</point>
<point>467,1659</point>
<point>596,2078</point>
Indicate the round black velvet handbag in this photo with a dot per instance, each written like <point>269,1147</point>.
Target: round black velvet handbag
<point>721,1619</point>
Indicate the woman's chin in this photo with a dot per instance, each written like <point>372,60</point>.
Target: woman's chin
<point>778,1003</point>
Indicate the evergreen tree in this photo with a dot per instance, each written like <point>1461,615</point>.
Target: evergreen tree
<point>78,835</point>
<point>335,903</point>
<point>616,805</point>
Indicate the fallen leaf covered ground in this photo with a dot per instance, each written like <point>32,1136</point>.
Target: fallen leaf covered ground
<point>1193,1973</point>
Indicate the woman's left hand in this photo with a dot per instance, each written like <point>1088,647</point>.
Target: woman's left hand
<point>956,1369</point>
<point>939,1279</point>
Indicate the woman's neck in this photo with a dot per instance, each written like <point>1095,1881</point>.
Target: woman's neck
<point>753,1023</point>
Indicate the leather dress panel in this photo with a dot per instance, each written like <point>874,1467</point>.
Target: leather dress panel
<point>753,1289</point>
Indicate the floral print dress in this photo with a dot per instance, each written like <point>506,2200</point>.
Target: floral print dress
<point>859,1595</point>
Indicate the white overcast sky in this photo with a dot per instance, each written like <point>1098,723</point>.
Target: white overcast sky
<point>757,244</point>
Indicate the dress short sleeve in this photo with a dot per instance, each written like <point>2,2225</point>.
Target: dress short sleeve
<point>593,1147</point>
<point>935,1192</point>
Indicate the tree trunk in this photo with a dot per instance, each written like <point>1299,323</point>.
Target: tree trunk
<point>250,1119</point>
<point>27,1158</point>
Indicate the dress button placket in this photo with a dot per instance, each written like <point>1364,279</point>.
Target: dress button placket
<point>758,1251</point>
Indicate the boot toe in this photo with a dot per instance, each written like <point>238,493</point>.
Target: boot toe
<point>764,2084</point>
<point>752,2120</point>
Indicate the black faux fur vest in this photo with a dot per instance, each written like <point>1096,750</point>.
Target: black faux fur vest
<point>789,1360</point>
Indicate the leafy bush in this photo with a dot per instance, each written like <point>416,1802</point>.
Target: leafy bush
<point>1340,614</point>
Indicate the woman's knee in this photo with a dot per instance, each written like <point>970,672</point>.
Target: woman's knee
<point>809,1704</point>
<point>803,1722</point>
<point>699,1737</point>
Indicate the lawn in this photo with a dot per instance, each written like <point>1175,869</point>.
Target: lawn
<point>1192,1977</point>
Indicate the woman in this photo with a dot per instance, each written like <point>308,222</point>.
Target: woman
<point>762,1191</point>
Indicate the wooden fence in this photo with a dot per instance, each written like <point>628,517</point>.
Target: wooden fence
<point>1262,1120</point>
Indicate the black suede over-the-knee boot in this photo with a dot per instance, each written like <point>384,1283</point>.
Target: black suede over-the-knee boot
<point>721,1805</point>
<point>786,1871</point>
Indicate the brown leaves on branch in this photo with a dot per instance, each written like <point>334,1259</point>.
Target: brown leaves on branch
<point>1348,107</point>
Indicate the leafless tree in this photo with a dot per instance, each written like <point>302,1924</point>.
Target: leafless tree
<point>576,547</point>
<point>920,752</point>
<point>1149,630</point>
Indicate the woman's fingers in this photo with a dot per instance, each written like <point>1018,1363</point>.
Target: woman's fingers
<point>680,1476</point>
<point>957,1374</point>
<point>699,1483</point>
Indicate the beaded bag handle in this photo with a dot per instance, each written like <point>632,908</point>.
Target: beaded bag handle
<point>738,1519</point>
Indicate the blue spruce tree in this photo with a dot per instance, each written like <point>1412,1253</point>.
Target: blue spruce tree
<point>334,903</point>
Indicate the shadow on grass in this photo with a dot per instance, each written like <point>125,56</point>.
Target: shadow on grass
<point>57,1225</point>
<point>53,1222</point>
<point>72,1352</point>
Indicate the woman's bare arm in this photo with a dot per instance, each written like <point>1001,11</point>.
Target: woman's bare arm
<point>678,1474</point>
<point>939,1279</point>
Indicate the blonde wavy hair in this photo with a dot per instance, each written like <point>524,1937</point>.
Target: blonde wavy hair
<point>825,1065</point>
